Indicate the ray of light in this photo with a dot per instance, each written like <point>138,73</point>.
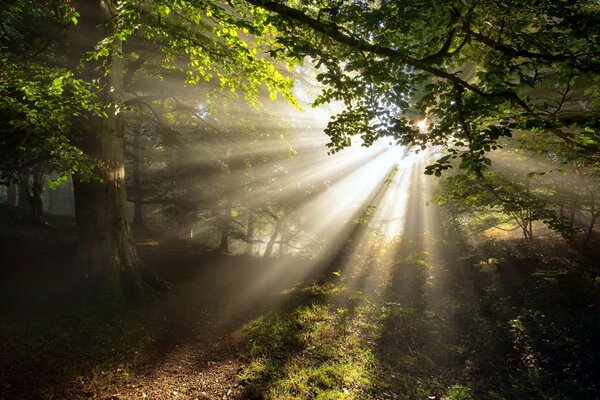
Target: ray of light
<point>370,262</point>
<point>330,213</point>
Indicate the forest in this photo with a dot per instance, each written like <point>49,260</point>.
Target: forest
<point>300,199</point>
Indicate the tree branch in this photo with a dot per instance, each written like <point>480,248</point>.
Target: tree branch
<point>333,31</point>
<point>501,47</point>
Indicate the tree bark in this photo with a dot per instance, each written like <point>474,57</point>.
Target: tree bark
<point>109,255</point>
<point>24,200</point>
<point>225,229</point>
<point>278,228</point>
<point>138,218</point>
<point>590,229</point>
<point>11,195</point>
<point>250,232</point>
<point>36,201</point>
<point>71,197</point>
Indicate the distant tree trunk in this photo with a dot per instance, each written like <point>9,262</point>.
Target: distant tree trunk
<point>282,248</point>
<point>24,201</point>
<point>11,195</point>
<point>572,216</point>
<point>590,230</point>
<point>108,251</point>
<point>185,222</point>
<point>225,229</point>
<point>58,201</point>
<point>138,221</point>
<point>592,223</point>
<point>224,245</point>
<point>527,228</point>
<point>278,228</point>
<point>36,201</point>
<point>71,197</point>
<point>250,232</point>
<point>183,181</point>
<point>50,201</point>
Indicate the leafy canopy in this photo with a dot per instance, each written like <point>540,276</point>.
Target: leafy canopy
<point>40,94</point>
<point>473,71</point>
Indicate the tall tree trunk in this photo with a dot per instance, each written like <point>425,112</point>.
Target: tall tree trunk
<point>250,232</point>
<point>11,195</point>
<point>590,231</point>
<point>138,221</point>
<point>225,229</point>
<point>51,201</point>
<point>36,201</point>
<point>108,251</point>
<point>71,197</point>
<point>590,228</point>
<point>185,223</point>
<point>278,228</point>
<point>24,200</point>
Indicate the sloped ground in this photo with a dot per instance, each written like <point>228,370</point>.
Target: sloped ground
<point>435,331</point>
<point>423,317</point>
<point>55,343</point>
<point>409,319</point>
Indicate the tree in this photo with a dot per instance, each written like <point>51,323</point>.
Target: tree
<point>459,74</point>
<point>71,113</point>
<point>510,208</point>
<point>38,96</point>
<point>462,76</point>
<point>107,246</point>
<point>107,240</point>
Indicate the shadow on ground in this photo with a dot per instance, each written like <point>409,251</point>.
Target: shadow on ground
<point>448,322</point>
<point>419,317</point>
<point>55,343</point>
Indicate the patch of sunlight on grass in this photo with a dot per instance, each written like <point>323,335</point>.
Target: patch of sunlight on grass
<point>316,350</point>
<point>312,292</point>
<point>458,392</point>
<point>337,341</point>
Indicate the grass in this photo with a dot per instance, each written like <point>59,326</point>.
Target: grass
<point>341,345</point>
<point>493,323</point>
<point>317,349</point>
<point>507,332</point>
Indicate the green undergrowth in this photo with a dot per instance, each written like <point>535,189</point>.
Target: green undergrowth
<point>521,328</point>
<point>331,341</point>
<point>317,349</point>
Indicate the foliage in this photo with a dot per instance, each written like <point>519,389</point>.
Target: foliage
<point>210,42</point>
<point>312,350</point>
<point>508,202</point>
<point>507,197</point>
<point>474,71</point>
<point>36,118</point>
<point>38,97</point>
<point>499,333</point>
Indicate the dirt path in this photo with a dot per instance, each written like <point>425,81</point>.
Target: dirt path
<point>421,320</point>
<point>197,356</point>
<point>184,346</point>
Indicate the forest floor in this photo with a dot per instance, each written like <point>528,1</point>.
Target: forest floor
<point>412,318</point>
<point>56,344</point>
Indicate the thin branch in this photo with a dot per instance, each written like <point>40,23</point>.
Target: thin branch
<point>334,32</point>
<point>499,46</point>
<point>565,93</point>
<point>445,47</point>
